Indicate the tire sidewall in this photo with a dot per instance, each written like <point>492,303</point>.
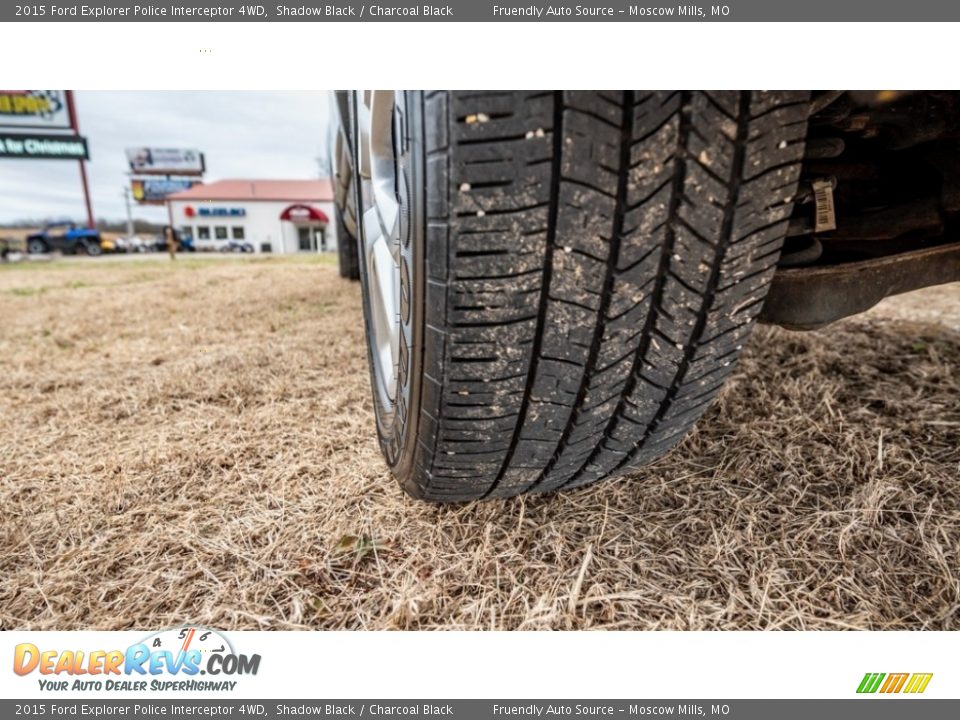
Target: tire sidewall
<point>397,429</point>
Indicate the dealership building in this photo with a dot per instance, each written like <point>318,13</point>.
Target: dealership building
<point>274,216</point>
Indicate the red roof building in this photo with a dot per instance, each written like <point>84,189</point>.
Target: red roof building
<point>260,190</point>
<point>278,216</point>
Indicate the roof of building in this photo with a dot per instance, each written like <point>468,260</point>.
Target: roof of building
<point>276,190</point>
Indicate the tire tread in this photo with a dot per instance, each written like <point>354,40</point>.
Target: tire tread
<point>594,264</point>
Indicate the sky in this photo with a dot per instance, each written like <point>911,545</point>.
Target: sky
<point>242,135</point>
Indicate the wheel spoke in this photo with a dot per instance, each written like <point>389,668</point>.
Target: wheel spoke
<point>385,268</point>
<point>380,228</point>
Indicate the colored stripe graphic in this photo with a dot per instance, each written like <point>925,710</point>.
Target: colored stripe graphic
<point>870,683</point>
<point>894,683</point>
<point>918,682</point>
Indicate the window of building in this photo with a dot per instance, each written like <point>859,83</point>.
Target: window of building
<point>237,232</point>
<point>221,232</point>
<point>203,232</point>
<point>305,238</point>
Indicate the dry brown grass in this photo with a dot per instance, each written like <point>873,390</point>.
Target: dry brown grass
<point>195,443</point>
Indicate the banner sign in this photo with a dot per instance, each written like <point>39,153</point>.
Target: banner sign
<point>165,161</point>
<point>148,191</point>
<point>43,147</point>
<point>34,109</point>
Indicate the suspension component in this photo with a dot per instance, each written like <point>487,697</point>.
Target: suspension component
<point>877,210</point>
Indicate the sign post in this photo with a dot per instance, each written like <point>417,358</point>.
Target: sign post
<point>72,108</point>
<point>126,200</point>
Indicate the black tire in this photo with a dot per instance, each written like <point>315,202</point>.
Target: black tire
<point>348,255</point>
<point>585,270</point>
<point>37,247</point>
<point>92,249</point>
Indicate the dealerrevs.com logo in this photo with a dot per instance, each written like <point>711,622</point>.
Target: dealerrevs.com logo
<point>892,683</point>
<point>182,659</point>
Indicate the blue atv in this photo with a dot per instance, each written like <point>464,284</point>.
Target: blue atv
<point>67,237</point>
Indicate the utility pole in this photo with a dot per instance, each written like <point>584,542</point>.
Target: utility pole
<point>126,199</point>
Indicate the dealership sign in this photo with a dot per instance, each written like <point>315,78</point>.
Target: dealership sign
<point>165,161</point>
<point>22,111</point>
<point>156,190</point>
<point>221,212</point>
<point>44,147</point>
<point>208,211</point>
<point>34,109</point>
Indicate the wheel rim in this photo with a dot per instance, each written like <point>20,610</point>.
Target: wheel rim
<point>377,170</point>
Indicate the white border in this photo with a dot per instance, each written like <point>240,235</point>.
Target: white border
<point>315,56</point>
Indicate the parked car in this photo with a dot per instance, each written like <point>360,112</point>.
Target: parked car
<point>209,244</point>
<point>557,284</point>
<point>237,246</point>
<point>124,244</point>
<point>67,237</point>
<point>136,244</point>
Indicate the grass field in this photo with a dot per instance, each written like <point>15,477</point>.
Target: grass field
<point>193,441</point>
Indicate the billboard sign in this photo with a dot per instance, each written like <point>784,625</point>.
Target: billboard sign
<point>43,147</point>
<point>34,109</point>
<point>154,191</point>
<point>165,161</point>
